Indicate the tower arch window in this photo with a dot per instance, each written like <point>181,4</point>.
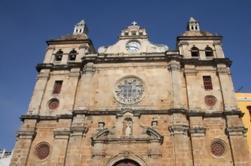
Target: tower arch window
<point>209,52</point>
<point>59,55</point>
<point>195,52</point>
<point>72,55</point>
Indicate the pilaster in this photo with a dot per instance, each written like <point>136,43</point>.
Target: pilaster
<point>84,87</point>
<point>39,91</point>
<point>227,88</point>
<point>78,130</point>
<point>174,68</point>
<point>238,143</point>
<point>190,77</point>
<point>181,141</point>
<point>60,143</point>
<point>24,140</point>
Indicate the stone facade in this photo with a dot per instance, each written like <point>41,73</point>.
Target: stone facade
<point>133,103</point>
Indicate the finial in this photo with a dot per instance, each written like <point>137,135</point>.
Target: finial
<point>193,25</point>
<point>192,19</point>
<point>80,28</point>
<point>134,23</point>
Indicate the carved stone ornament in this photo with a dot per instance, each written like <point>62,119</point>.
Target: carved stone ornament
<point>53,104</point>
<point>42,150</point>
<point>210,100</point>
<point>218,148</point>
<point>129,90</point>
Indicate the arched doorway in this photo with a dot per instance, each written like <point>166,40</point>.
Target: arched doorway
<point>126,162</point>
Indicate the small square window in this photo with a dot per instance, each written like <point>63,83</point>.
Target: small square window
<point>57,87</point>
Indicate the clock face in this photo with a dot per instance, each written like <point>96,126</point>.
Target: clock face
<point>133,46</point>
<point>129,90</point>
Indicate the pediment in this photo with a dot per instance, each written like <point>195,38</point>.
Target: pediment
<point>133,41</point>
<point>106,136</point>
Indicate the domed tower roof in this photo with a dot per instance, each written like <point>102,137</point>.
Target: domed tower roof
<point>193,29</point>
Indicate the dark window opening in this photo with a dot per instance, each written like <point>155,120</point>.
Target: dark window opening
<point>195,52</point>
<point>126,33</point>
<point>57,87</point>
<point>207,82</point>
<point>209,52</point>
<point>72,55</point>
<point>59,55</point>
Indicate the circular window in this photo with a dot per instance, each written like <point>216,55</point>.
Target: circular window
<point>218,148</point>
<point>42,150</point>
<point>129,90</point>
<point>210,100</point>
<point>53,104</point>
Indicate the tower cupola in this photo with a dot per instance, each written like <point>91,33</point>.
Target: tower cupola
<point>80,28</point>
<point>193,25</point>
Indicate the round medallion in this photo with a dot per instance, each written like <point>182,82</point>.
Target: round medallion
<point>217,148</point>
<point>133,46</point>
<point>42,150</point>
<point>210,100</point>
<point>129,90</point>
<point>53,104</point>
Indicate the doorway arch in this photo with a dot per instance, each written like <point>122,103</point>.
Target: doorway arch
<point>126,158</point>
<point>126,162</point>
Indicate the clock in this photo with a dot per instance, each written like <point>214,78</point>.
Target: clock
<point>133,46</point>
<point>129,90</point>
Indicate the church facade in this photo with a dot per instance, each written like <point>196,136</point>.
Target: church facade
<point>134,103</point>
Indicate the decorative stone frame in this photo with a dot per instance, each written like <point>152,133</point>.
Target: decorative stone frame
<point>210,100</point>
<point>126,155</point>
<point>51,102</point>
<point>36,150</point>
<point>224,145</point>
<point>126,77</point>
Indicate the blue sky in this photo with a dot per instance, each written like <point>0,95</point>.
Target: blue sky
<point>26,25</point>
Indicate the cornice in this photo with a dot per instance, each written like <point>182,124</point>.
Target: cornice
<point>135,112</point>
<point>199,38</point>
<point>68,41</point>
<point>131,59</point>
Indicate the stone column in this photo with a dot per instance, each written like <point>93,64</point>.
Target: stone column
<point>60,143</point>
<point>181,141</point>
<point>192,94</point>
<point>38,92</point>
<point>78,130</point>
<point>238,143</point>
<point>197,134</point>
<point>84,87</point>
<point>174,68</point>
<point>22,148</point>
<point>227,88</point>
